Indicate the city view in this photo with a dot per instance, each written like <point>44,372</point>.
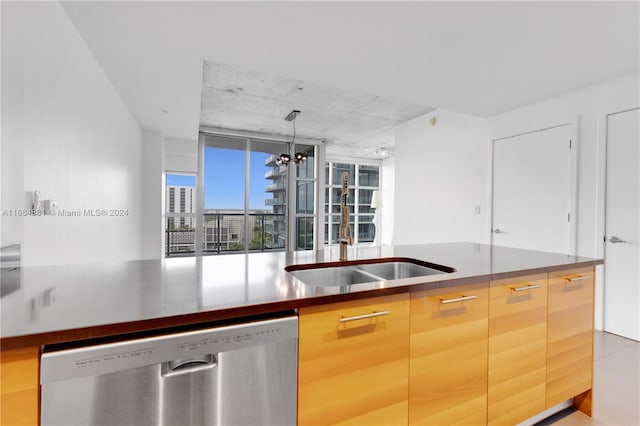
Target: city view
<point>228,228</point>
<point>224,200</point>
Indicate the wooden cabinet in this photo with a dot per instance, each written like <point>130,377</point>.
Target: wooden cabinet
<point>19,386</point>
<point>517,348</point>
<point>570,337</point>
<point>448,356</point>
<point>353,362</point>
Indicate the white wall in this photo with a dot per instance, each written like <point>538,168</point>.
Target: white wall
<point>11,151</point>
<point>180,155</point>
<point>153,204</point>
<point>79,143</point>
<point>387,192</point>
<point>441,179</point>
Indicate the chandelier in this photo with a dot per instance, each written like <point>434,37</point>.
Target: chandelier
<point>298,157</point>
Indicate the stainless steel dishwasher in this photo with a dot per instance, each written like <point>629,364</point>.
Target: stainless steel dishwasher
<point>243,374</point>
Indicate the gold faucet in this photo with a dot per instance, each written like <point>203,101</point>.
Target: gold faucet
<point>346,237</point>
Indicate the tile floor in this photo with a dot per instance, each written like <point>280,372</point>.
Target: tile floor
<point>616,384</point>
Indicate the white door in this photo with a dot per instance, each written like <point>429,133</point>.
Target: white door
<point>622,226</point>
<point>532,187</point>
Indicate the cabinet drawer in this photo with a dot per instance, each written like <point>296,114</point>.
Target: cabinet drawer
<point>353,362</point>
<point>517,348</point>
<point>570,334</point>
<point>448,356</point>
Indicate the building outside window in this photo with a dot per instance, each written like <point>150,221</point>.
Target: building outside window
<point>363,180</point>
<point>180,216</point>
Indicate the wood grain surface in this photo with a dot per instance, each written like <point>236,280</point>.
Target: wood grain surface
<point>517,349</point>
<point>448,356</point>
<point>354,372</point>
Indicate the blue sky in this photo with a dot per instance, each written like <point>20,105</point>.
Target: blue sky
<point>224,179</point>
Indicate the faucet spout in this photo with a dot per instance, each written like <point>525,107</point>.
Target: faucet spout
<point>345,237</point>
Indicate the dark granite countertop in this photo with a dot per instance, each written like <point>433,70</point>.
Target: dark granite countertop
<point>51,304</point>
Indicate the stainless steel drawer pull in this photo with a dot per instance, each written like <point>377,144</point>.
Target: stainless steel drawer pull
<point>578,278</point>
<point>526,287</point>
<point>364,316</point>
<point>457,299</point>
<point>181,366</point>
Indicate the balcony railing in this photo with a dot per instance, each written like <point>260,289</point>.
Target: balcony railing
<point>275,187</point>
<point>225,233</point>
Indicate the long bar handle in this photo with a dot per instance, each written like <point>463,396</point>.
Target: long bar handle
<point>458,299</point>
<point>373,314</point>
<point>578,278</point>
<point>526,287</point>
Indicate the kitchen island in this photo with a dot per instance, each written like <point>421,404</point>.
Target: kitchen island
<point>66,303</point>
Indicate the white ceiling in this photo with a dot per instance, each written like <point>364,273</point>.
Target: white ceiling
<point>478,57</point>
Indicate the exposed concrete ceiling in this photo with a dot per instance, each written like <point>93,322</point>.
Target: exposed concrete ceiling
<point>476,57</point>
<point>352,124</point>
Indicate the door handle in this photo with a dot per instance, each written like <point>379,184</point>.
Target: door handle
<point>616,240</point>
<point>497,231</point>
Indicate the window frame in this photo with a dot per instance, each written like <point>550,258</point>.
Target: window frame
<point>354,192</point>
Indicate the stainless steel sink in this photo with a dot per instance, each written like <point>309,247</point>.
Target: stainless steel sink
<point>365,271</point>
<point>399,270</point>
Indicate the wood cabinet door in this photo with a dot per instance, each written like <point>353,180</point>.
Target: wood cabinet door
<point>570,334</point>
<point>20,386</point>
<point>448,356</point>
<point>353,362</point>
<point>517,348</point>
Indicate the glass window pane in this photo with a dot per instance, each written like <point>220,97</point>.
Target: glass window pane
<point>364,201</point>
<point>336,200</point>
<point>304,233</point>
<point>368,175</point>
<point>224,178</point>
<point>326,229</point>
<point>339,168</point>
<point>304,198</point>
<point>180,208</point>
<point>267,197</point>
<point>265,232</point>
<point>366,232</point>
<point>180,235</point>
<point>306,170</point>
<point>267,180</point>
<point>326,200</point>
<point>223,232</point>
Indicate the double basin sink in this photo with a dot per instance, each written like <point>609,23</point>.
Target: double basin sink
<point>364,271</point>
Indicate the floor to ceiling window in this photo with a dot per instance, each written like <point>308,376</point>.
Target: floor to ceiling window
<point>180,214</point>
<point>305,179</point>
<point>364,179</point>
<point>246,205</point>
<point>224,195</point>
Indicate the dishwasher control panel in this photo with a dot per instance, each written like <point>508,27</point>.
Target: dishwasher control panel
<point>110,357</point>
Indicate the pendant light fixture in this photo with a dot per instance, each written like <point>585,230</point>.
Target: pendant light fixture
<point>298,157</point>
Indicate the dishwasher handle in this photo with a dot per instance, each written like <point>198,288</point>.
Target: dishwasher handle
<point>189,365</point>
